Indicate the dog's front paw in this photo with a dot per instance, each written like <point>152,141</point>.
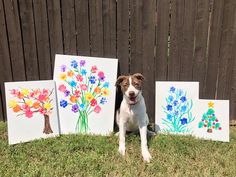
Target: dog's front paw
<point>146,156</point>
<point>122,150</point>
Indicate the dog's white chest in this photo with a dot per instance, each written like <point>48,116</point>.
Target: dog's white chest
<point>132,124</point>
<point>131,119</point>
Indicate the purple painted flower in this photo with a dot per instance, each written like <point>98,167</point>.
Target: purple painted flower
<point>74,64</point>
<point>172,89</point>
<point>63,103</point>
<point>176,113</point>
<point>67,93</point>
<point>175,102</point>
<point>75,108</point>
<point>101,76</point>
<point>103,100</point>
<point>184,121</point>
<point>63,68</point>
<point>82,63</point>
<point>92,80</point>
<point>169,107</point>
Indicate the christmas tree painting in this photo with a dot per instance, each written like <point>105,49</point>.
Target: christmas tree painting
<point>27,102</point>
<point>178,111</point>
<point>209,119</point>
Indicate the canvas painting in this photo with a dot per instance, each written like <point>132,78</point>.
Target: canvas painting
<point>86,93</point>
<point>174,105</point>
<point>31,110</point>
<point>212,119</point>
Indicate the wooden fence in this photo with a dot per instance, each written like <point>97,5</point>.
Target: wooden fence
<point>178,40</point>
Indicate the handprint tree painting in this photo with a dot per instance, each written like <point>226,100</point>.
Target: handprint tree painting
<point>28,102</point>
<point>31,102</point>
<point>212,119</point>
<point>85,87</point>
<point>174,103</point>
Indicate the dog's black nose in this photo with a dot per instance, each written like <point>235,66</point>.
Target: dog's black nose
<point>131,93</point>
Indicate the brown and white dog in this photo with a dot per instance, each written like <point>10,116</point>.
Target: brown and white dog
<point>132,114</point>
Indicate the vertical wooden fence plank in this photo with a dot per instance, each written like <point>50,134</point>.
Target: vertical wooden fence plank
<point>68,25</point>
<point>123,35</point>
<point>233,87</point>
<point>3,102</point>
<point>109,28</point>
<point>226,52</point>
<point>213,51</point>
<point>5,64</point>
<point>148,58</point>
<point>201,36</point>
<point>82,27</point>
<point>176,38</point>
<point>29,41</point>
<point>122,42</point>
<point>96,28</point>
<point>15,40</point>
<point>162,34</point>
<point>55,28</point>
<point>2,116</point>
<point>187,40</point>
<point>136,35</point>
<point>42,38</point>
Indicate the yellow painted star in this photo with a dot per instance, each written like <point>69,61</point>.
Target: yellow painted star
<point>211,104</point>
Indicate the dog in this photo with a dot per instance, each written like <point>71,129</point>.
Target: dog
<point>132,114</point>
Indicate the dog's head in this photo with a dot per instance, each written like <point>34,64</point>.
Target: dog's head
<point>131,87</point>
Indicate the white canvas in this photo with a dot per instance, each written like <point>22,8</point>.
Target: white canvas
<point>86,93</point>
<point>31,110</point>
<point>212,119</point>
<point>174,104</point>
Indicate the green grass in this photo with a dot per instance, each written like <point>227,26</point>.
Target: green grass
<point>81,155</point>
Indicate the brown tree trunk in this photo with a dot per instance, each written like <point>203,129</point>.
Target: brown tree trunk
<point>209,130</point>
<point>47,127</point>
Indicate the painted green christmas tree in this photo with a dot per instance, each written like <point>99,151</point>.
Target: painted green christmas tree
<point>209,119</point>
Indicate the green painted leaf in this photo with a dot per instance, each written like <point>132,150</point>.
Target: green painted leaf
<point>213,118</point>
<point>209,124</point>
<point>210,111</point>
<point>204,116</point>
<point>217,125</point>
<point>200,124</point>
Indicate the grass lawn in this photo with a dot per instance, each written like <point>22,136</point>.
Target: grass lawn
<point>81,155</point>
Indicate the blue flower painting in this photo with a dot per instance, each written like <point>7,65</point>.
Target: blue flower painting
<point>178,111</point>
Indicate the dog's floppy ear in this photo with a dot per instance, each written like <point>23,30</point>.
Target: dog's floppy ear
<point>119,80</point>
<point>139,76</point>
